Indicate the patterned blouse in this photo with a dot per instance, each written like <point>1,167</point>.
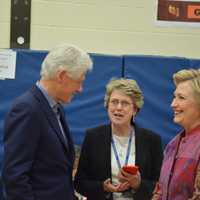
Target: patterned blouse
<point>180,172</point>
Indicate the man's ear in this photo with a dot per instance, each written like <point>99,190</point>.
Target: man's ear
<point>61,75</point>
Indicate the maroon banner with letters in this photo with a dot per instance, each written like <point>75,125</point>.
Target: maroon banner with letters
<point>179,11</point>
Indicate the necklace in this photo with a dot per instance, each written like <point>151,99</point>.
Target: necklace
<point>118,153</point>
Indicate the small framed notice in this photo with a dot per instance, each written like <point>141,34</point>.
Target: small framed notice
<point>7,64</point>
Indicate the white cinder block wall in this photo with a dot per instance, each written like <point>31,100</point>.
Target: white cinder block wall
<point>103,26</point>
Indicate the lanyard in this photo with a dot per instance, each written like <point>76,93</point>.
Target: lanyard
<point>127,152</point>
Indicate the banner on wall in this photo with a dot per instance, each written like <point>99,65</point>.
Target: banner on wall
<point>178,12</point>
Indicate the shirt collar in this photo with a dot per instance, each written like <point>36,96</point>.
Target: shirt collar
<point>192,133</point>
<point>50,100</point>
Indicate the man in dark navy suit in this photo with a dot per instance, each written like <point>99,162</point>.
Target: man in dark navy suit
<point>39,151</point>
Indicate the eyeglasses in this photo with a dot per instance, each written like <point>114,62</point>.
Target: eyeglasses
<point>116,102</point>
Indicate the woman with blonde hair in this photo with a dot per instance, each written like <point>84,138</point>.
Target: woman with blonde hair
<point>180,173</point>
<point>107,148</point>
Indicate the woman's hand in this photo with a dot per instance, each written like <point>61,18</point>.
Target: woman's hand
<point>123,186</point>
<point>134,181</point>
<point>109,187</point>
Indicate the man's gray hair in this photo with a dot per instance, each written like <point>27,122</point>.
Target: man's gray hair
<point>66,57</point>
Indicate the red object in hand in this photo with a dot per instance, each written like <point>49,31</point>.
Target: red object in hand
<point>132,169</point>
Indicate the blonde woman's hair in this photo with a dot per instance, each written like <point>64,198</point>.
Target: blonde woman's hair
<point>128,87</point>
<point>192,76</point>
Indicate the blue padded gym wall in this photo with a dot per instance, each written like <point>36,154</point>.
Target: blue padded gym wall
<point>154,76</point>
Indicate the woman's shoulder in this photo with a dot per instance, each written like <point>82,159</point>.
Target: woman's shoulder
<point>146,132</point>
<point>99,129</point>
<point>98,134</point>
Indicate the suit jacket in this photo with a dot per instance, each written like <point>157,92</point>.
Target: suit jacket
<point>95,162</point>
<point>38,161</point>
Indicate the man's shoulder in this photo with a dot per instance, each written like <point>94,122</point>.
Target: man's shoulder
<point>25,99</point>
